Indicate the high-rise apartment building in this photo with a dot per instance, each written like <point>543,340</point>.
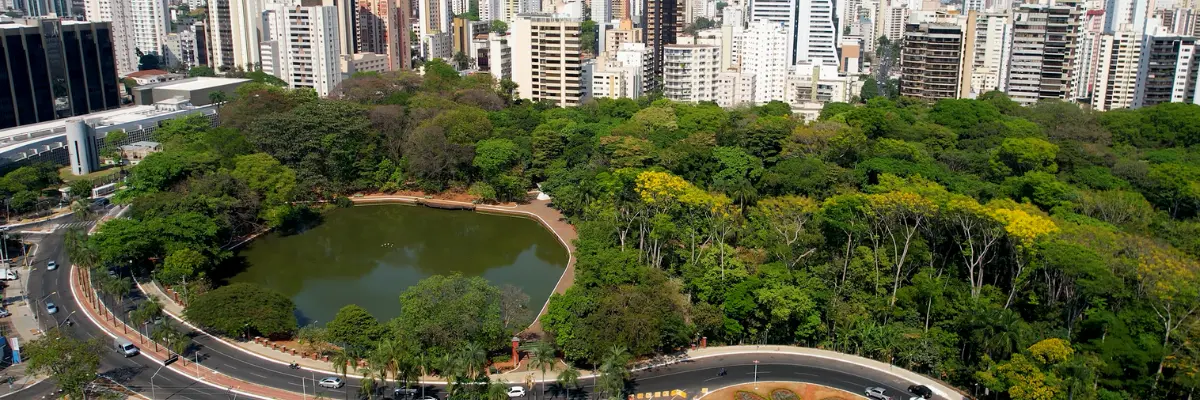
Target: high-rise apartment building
<point>1168,71</point>
<point>308,47</point>
<point>1177,21</point>
<point>993,40</point>
<point>1043,53</point>
<point>690,72</point>
<point>661,24</point>
<point>735,89</point>
<point>1134,12</point>
<point>1117,72</point>
<point>549,60</point>
<point>765,57</point>
<point>1087,59</point>
<point>124,42</point>
<point>499,59</point>
<point>150,24</point>
<point>812,32</point>
<point>51,69</point>
<point>379,30</point>
<point>435,16</point>
<point>931,60</point>
<point>193,45</point>
<point>220,30</point>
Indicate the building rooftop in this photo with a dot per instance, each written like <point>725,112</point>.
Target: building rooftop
<point>145,144</point>
<point>197,83</point>
<point>149,72</point>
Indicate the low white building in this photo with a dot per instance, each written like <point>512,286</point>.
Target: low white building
<point>363,62</point>
<point>735,89</point>
<point>438,45</point>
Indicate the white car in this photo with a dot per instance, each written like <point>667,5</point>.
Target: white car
<point>331,382</point>
<point>50,266</point>
<point>876,393</point>
<point>516,391</point>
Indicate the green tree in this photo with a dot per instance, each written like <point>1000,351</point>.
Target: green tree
<point>446,312</point>
<point>71,362</point>
<point>499,27</point>
<point>243,309</point>
<point>1017,156</point>
<point>354,328</point>
<point>201,70</point>
<point>541,357</point>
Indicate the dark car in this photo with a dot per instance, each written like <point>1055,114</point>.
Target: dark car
<point>921,390</point>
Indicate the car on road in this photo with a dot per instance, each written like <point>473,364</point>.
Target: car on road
<point>516,391</point>
<point>877,393</point>
<point>4,312</point>
<point>51,308</point>
<point>403,392</point>
<point>331,382</point>
<point>921,391</point>
<point>50,266</point>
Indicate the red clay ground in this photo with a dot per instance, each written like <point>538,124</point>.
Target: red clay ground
<point>780,391</point>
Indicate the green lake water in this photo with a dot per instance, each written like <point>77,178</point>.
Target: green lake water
<point>368,255</point>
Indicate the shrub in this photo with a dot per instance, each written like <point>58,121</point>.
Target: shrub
<point>244,309</point>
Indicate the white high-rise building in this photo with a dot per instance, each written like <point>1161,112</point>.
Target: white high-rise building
<point>735,89</point>
<point>1117,74</point>
<point>459,6</point>
<point>1043,53</point>
<point>150,21</point>
<point>614,80</point>
<point>690,72</point>
<point>499,56</point>
<point>1169,71</point>
<point>765,56</point>
<point>435,17</point>
<point>307,44</point>
<point>120,14</point>
<point>1133,12</point>
<point>812,35</point>
<point>993,40</point>
<point>547,59</point>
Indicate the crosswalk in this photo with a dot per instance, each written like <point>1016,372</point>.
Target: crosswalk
<point>80,225</point>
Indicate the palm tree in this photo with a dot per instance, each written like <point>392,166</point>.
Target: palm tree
<point>569,378</point>
<point>613,372</point>
<point>541,356</point>
<point>379,364</point>
<point>341,361</point>
<point>81,209</point>
<point>496,391</point>
<point>368,381</point>
<point>473,360</point>
<point>216,97</point>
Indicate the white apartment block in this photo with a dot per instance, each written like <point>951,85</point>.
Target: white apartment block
<point>637,56</point>
<point>1087,59</point>
<point>735,89</point>
<point>499,56</point>
<point>614,80</point>
<point>690,72</point>
<point>1169,71</point>
<point>434,17</point>
<point>172,49</point>
<point>548,60</point>
<point>308,45</point>
<point>363,62</point>
<point>120,14</point>
<point>150,21</point>
<point>893,23</point>
<point>458,6</point>
<point>1043,53</point>
<point>1117,74</point>
<point>993,39</point>
<point>246,30</point>
<point>816,36</point>
<point>811,86</point>
<point>765,56</point>
<point>438,45</point>
<point>1134,12</point>
<point>193,45</point>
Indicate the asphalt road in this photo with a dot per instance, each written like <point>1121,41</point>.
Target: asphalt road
<point>136,372</point>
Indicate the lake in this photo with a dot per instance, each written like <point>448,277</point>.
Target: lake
<point>368,255</point>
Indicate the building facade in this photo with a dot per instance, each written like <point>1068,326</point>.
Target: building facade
<point>52,69</point>
<point>378,30</point>
<point>765,57</point>
<point>120,16</point>
<point>1169,71</point>
<point>1043,53</point>
<point>551,60</point>
<point>931,61</point>
<point>1117,73</point>
<point>307,45</point>
<point>150,25</point>
<point>690,72</point>
<point>662,23</point>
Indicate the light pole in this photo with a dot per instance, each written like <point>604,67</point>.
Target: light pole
<point>152,396</point>
<point>35,313</point>
<point>756,372</point>
<point>68,318</point>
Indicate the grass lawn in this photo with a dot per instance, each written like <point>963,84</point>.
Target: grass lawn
<point>105,170</point>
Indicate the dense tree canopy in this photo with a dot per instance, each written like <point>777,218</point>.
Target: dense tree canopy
<point>1043,252</point>
<point>243,309</point>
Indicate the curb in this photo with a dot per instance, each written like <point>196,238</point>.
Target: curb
<point>753,383</point>
<point>91,318</point>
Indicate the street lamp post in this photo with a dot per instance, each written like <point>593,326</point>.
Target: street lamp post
<point>152,380</point>
<point>35,313</point>
<point>756,371</point>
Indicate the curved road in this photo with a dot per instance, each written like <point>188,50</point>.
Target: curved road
<point>136,373</point>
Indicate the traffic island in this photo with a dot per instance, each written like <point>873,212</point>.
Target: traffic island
<point>777,390</point>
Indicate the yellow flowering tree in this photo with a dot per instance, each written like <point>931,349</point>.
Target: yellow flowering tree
<point>898,217</point>
<point>787,218</point>
<point>1024,230</point>
<point>1170,280</point>
<point>979,235</point>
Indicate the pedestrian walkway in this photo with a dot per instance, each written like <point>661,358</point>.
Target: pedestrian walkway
<point>114,327</point>
<point>77,224</point>
<point>24,324</point>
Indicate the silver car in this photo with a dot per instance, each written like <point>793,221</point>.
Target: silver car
<point>877,393</point>
<point>331,382</point>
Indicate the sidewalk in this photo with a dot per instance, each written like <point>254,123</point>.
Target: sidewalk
<point>25,328</point>
<point>114,327</point>
<point>175,311</point>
